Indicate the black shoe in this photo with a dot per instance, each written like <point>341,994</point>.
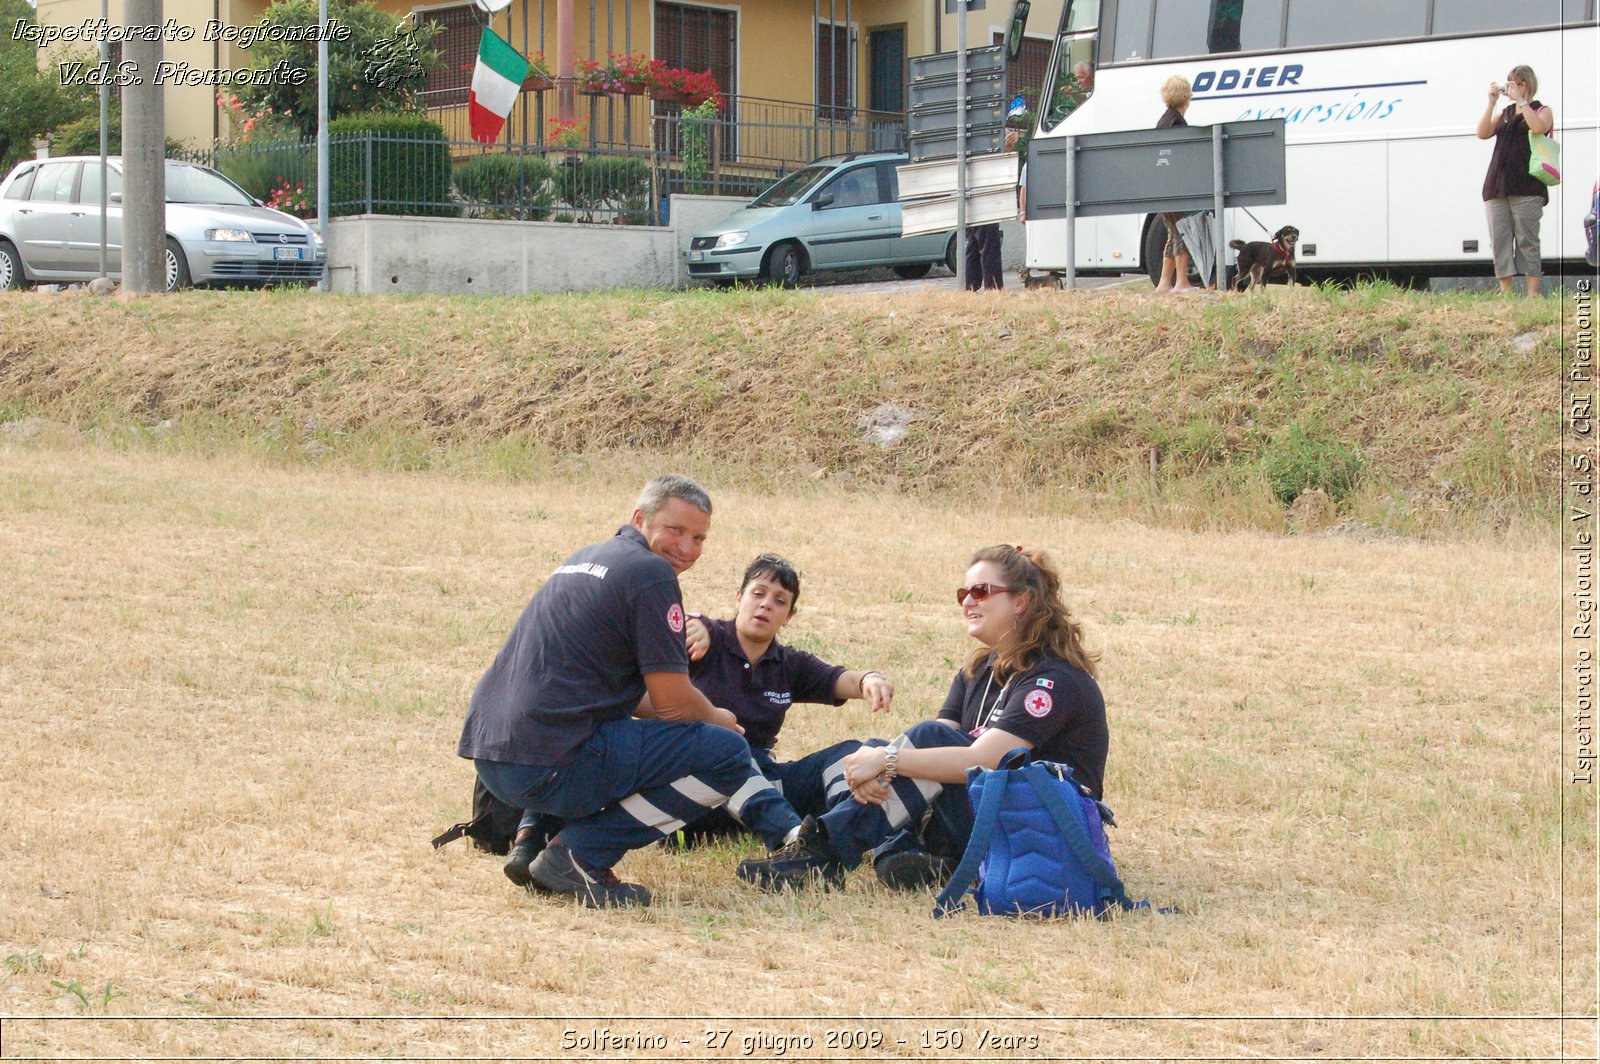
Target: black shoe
<point>804,860</point>
<point>912,870</point>
<point>559,872</point>
<point>522,855</point>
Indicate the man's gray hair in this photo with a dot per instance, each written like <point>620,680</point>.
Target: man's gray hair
<point>672,486</point>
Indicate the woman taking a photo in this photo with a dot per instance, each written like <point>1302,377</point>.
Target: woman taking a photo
<point>1513,198</point>
<point>1028,682</point>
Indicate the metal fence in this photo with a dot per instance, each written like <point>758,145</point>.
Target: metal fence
<point>619,173</point>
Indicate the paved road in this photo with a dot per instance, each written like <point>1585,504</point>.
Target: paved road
<point>875,282</point>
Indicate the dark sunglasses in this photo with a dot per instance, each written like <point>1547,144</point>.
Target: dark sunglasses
<point>978,592</point>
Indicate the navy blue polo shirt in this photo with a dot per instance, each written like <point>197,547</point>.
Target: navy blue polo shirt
<point>578,654</point>
<point>760,693</point>
<point>1055,706</point>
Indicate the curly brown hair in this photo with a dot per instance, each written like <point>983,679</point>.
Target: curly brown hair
<point>1045,624</point>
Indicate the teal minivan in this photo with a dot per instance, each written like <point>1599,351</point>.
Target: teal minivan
<point>840,212</point>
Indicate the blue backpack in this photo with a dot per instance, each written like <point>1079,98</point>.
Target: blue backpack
<point>1037,845</point>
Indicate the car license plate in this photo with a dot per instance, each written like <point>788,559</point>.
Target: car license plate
<point>288,253</point>
<point>697,256</point>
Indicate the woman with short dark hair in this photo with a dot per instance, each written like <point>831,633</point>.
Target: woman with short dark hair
<point>740,666</point>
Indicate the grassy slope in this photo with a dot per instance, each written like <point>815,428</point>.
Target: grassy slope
<point>1439,404</point>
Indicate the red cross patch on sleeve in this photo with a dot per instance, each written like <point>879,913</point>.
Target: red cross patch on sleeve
<point>1038,704</point>
<point>675,618</point>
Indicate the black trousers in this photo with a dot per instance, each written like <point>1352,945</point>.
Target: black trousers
<point>983,257</point>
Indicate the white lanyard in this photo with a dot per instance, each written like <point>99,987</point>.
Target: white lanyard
<point>985,718</point>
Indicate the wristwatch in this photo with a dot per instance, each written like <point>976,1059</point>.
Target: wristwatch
<point>891,763</point>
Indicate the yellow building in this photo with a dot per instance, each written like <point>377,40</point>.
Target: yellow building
<point>803,77</point>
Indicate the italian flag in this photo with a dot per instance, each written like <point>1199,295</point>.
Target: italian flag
<point>496,81</point>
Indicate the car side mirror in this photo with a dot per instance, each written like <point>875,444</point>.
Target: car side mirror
<point>824,200</point>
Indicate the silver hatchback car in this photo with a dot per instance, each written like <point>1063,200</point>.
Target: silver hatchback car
<point>216,232</point>
<point>837,213</point>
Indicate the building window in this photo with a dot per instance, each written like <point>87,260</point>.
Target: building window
<point>835,75</point>
<point>1026,73</point>
<point>457,44</point>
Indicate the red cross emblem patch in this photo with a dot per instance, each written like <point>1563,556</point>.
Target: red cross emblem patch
<point>1038,704</point>
<point>675,618</point>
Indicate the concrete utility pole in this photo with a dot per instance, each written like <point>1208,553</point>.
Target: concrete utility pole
<point>144,144</point>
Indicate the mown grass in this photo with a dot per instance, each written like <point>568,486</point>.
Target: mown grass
<point>1416,413</point>
<point>258,548</point>
<point>232,686</point>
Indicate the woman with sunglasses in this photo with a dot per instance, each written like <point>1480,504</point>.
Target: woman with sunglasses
<point>1028,683</point>
<point>740,666</point>
<point>1513,199</point>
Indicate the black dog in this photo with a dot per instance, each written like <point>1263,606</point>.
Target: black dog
<point>1260,261</point>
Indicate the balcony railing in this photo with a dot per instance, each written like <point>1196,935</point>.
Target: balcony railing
<point>752,138</point>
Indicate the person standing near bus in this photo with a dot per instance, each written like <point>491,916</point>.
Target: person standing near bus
<point>1176,94</point>
<point>1514,199</point>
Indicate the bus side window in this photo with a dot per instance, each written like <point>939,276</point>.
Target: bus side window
<point>1072,80</point>
<point>1316,22</point>
<point>1130,39</point>
<point>1185,28</point>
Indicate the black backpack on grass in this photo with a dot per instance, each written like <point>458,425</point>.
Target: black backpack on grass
<point>493,826</point>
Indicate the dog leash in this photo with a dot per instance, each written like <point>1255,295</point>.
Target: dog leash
<point>1253,218</point>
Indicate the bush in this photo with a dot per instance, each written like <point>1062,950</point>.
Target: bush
<point>506,186</point>
<point>1297,461</point>
<point>410,165</point>
<point>618,184</point>
<point>260,166</point>
<point>82,137</point>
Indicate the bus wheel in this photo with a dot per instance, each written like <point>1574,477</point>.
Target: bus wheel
<point>1155,242</point>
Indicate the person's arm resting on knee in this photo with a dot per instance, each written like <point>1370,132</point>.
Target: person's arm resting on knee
<point>670,696</point>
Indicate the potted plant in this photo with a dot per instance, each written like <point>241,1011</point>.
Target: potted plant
<point>539,76</point>
<point>627,75</point>
<point>567,133</point>
<point>675,85</point>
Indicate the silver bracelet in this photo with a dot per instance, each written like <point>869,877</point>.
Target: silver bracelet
<point>891,764</point>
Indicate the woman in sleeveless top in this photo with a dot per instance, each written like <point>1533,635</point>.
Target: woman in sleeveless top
<point>1513,199</point>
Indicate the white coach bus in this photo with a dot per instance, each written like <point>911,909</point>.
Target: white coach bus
<point>1380,100</point>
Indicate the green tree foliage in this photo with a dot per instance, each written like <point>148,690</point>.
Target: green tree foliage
<point>351,84</point>
<point>32,101</point>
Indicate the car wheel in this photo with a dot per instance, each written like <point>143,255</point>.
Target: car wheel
<point>914,270</point>
<point>177,266</point>
<point>950,254</point>
<point>12,277</point>
<point>786,266</point>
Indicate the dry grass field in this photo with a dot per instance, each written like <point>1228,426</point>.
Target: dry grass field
<point>232,692</point>
<point>257,550</point>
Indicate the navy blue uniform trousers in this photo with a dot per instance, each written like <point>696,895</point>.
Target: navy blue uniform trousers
<point>809,785</point>
<point>939,813</point>
<point>637,781</point>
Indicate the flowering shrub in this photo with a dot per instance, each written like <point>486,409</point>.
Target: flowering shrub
<point>567,132</point>
<point>538,67</point>
<point>262,124</point>
<point>293,201</point>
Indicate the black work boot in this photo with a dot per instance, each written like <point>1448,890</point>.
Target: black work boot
<point>805,859</point>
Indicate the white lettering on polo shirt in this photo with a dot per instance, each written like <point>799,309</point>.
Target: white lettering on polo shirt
<point>587,569</point>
